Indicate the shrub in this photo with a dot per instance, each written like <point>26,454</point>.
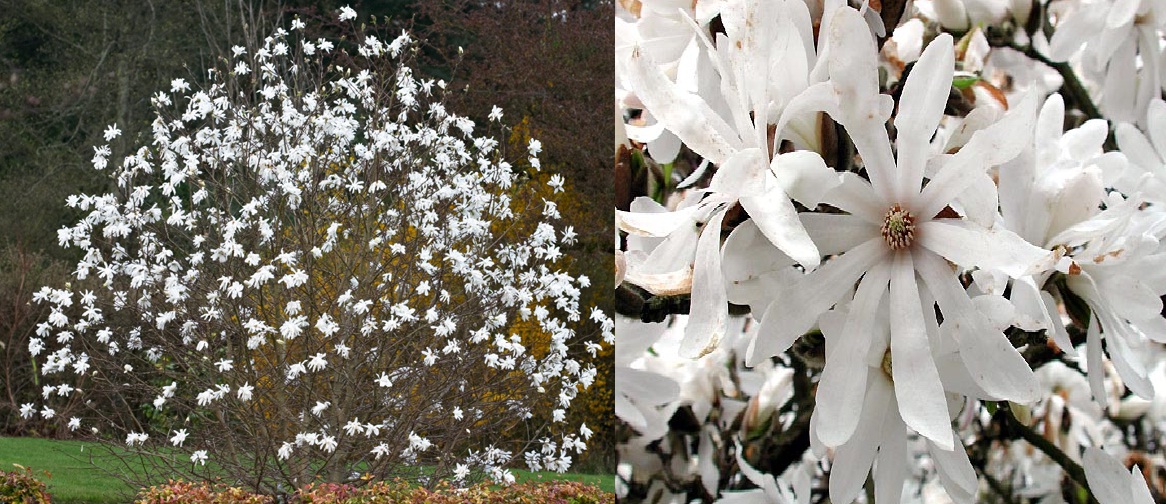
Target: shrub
<point>21,487</point>
<point>313,269</point>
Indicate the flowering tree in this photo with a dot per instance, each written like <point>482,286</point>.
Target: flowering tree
<point>885,253</point>
<point>311,270</point>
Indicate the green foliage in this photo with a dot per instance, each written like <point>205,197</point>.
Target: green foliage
<point>22,487</point>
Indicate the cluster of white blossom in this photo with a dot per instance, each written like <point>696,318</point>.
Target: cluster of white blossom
<point>953,218</point>
<point>325,257</point>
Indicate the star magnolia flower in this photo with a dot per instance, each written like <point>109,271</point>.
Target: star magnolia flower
<point>756,82</point>
<point>1054,199</point>
<point>892,237</point>
<point>1121,40</point>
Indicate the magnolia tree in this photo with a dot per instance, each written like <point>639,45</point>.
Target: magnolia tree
<point>891,252</point>
<point>314,270</point>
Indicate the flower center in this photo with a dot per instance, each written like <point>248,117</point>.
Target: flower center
<point>898,228</point>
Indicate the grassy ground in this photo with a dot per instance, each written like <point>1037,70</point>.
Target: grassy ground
<point>86,473</point>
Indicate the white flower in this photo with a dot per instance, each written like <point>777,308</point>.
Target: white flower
<point>177,85</point>
<point>347,13</point>
<point>285,450</point>
<point>225,365</point>
<point>244,392</point>
<point>74,423</point>
<point>328,443</point>
<point>891,239</point>
<point>461,472</point>
<point>138,438</point>
<point>179,437</point>
<point>457,413</point>
<point>353,427</point>
<point>320,407</point>
<point>317,362</point>
<point>495,113</point>
<point>295,370</point>
<point>198,457</point>
<point>111,132</point>
<point>384,381</point>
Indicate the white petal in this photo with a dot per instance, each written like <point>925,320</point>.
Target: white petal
<point>689,117</point>
<point>1095,367</point>
<point>710,473</point>
<point>1156,120</point>
<point>1130,297</point>
<point>804,176</point>
<point>836,233</point>
<point>979,201</point>
<point>854,74</point>
<point>1108,478</point>
<point>993,145</point>
<point>920,109</point>
<point>1070,35</point>
<point>1122,12</point>
<point>654,224</point>
<point>968,244</point>
<point>956,472</point>
<point>855,195</point>
<point>709,306</point>
<point>1060,335</point>
<point>747,255</point>
<point>743,173</point>
<point>1138,488</point>
<point>777,219</point>
<point>797,308</point>
<point>989,357</point>
<point>1137,148</point>
<point>894,465</point>
<point>665,147</point>
<point>915,376</point>
<point>843,382</point>
<point>852,461</point>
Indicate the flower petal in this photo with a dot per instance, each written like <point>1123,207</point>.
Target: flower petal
<point>894,464</point>
<point>658,224</point>
<point>836,233</point>
<point>968,244</point>
<point>993,145</point>
<point>915,375</point>
<point>852,461</point>
<point>990,358</point>
<point>777,219</point>
<point>804,176</point>
<point>843,382</point>
<point>795,310</point>
<point>1156,121</point>
<point>709,306</point>
<point>686,115</point>
<point>1108,479</point>
<point>956,472</point>
<point>920,109</point>
<point>855,195</point>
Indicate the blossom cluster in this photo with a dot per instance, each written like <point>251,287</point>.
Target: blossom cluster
<point>890,232</point>
<point>311,262</point>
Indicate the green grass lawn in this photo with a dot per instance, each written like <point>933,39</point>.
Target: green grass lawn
<point>85,473</point>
